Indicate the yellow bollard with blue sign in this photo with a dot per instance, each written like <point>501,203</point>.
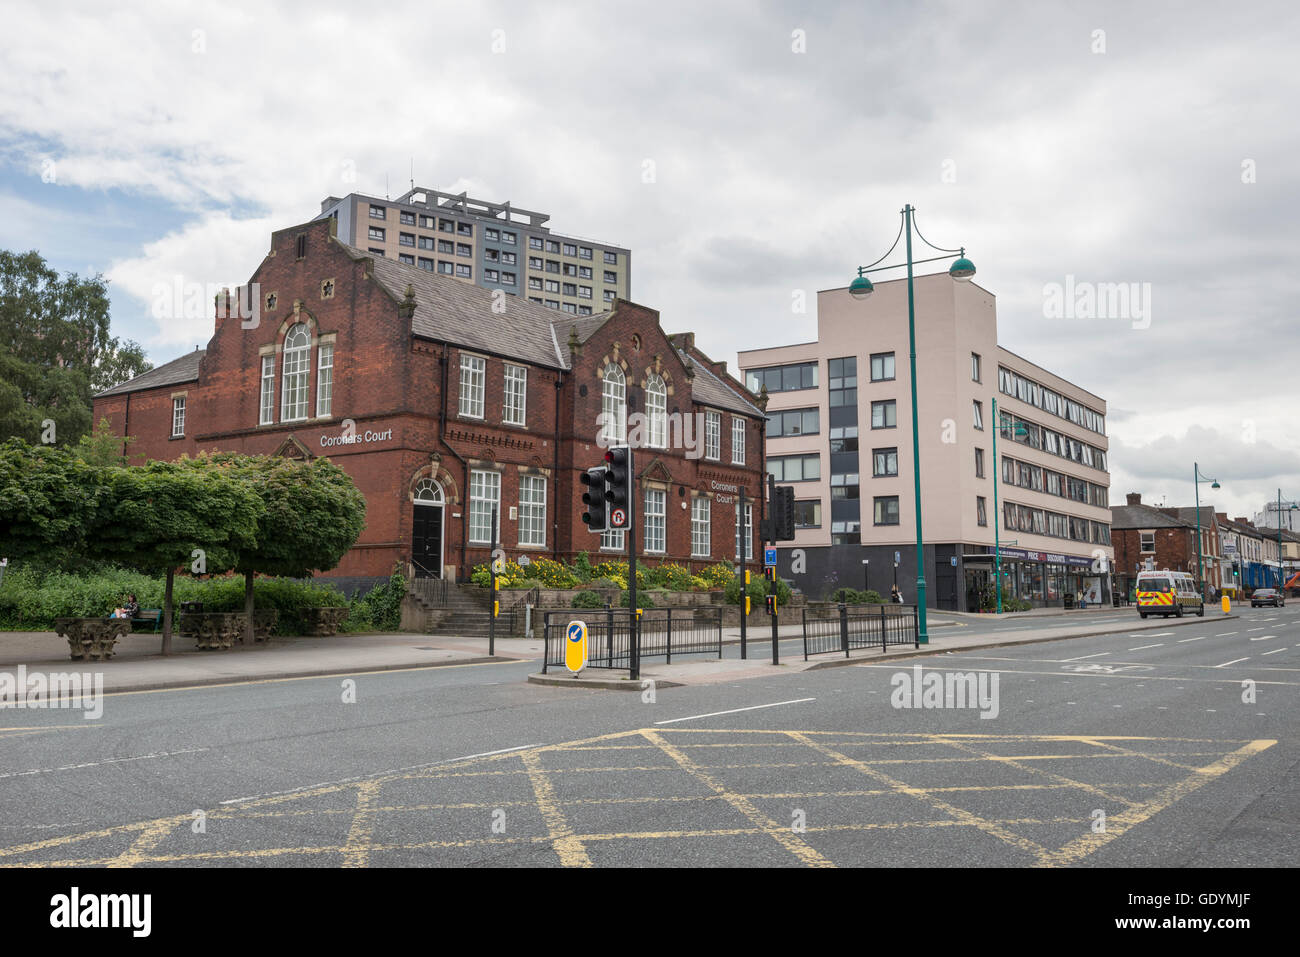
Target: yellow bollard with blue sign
<point>575,646</point>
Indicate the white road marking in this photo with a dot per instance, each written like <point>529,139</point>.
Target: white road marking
<point>1277,652</point>
<point>1183,641</point>
<point>376,774</point>
<point>1263,638</point>
<point>1260,628</point>
<point>714,714</point>
<point>1158,634</point>
<point>1232,662</point>
<point>95,764</point>
<point>1086,657</point>
<point>1225,634</point>
<point>1159,644</point>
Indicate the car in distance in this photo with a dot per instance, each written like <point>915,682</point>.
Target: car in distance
<point>1267,596</point>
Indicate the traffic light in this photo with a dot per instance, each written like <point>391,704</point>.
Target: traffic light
<point>771,604</point>
<point>596,517</point>
<point>618,486</point>
<point>783,513</point>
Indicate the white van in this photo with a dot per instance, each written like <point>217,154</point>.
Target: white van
<point>1168,593</point>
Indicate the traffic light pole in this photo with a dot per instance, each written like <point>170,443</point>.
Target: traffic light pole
<point>634,620</point>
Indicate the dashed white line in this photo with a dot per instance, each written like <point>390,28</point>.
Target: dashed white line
<point>1183,641</point>
<point>1277,652</point>
<point>714,714</point>
<point>1225,634</point>
<point>1159,644</point>
<point>1263,638</point>
<point>1260,628</point>
<point>95,764</point>
<point>1232,662</point>
<point>1086,657</point>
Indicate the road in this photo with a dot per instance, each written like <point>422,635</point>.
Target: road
<point>1112,751</point>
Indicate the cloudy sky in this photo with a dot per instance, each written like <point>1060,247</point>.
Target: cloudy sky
<point>741,151</point>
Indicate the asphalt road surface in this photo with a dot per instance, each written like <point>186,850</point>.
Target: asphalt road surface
<point>1165,747</point>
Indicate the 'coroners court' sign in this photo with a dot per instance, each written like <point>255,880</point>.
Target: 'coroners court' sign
<point>723,487</point>
<point>349,435</point>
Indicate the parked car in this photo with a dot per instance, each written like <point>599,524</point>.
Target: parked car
<point>1267,596</point>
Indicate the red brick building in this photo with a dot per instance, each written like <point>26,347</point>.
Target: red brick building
<point>1165,538</point>
<point>456,408</point>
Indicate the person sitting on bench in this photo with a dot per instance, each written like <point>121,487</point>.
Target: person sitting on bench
<point>129,610</point>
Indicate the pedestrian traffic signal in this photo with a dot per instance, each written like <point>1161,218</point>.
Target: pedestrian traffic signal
<point>783,513</point>
<point>771,604</point>
<point>618,486</point>
<point>596,516</point>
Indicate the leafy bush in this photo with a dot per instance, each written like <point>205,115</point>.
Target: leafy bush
<point>733,591</point>
<point>668,575</point>
<point>582,567</point>
<point>551,574</point>
<point>644,599</point>
<point>31,598</point>
<point>699,584</point>
<point>511,576</point>
<point>588,599</point>
<point>852,596</point>
<point>719,575</point>
<point>380,608</point>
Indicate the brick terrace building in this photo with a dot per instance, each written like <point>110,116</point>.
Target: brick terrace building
<point>1165,538</point>
<point>447,414</point>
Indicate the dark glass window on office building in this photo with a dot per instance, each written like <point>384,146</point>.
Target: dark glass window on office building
<point>886,510</point>
<point>793,422</point>
<point>846,507</point>
<point>789,378</point>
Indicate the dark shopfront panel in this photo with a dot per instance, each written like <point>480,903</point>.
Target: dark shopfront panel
<point>1044,580</point>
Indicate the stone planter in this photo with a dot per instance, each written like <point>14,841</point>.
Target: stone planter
<point>264,622</point>
<point>212,630</point>
<point>93,638</point>
<point>322,622</point>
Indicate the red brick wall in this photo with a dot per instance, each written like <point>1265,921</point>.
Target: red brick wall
<point>385,379</point>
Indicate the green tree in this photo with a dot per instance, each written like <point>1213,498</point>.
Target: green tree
<point>56,349</point>
<point>312,513</point>
<point>162,516</point>
<point>51,500</point>
<point>102,446</point>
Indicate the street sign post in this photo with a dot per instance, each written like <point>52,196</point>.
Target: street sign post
<point>575,646</point>
<point>769,556</point>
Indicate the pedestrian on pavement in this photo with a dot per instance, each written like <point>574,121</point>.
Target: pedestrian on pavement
<point>895,595</point>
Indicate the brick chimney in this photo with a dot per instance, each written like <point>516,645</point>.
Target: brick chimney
<point>1134,498</point>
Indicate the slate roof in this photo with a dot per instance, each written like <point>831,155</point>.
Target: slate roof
<point>708,389</point>
<point>184,369</point>
<point>1144,516</point>
<point>460,312</point>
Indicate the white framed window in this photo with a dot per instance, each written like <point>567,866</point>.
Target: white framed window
<point>701,527</point>
<point>654,520</point>
<point>178,417</point>
<point>267,405</point>
<point>656,410</point>
<point>712,435</point>
<point>611,540</point>
<point>532,510</point>
<point>975,367</point>
<point>484,500</point>
<point>613,407</point>
<point>515,411</point>
<point>297,367</point>
<point>737,440</point>
<point>748,533</point>
<point>472,378</point>
<point>979,414</point>
<point>325,379</point>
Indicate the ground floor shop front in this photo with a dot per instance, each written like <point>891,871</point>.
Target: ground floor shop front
<point>1044,579</point>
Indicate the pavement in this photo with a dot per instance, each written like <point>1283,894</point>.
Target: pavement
<point>137,666</point>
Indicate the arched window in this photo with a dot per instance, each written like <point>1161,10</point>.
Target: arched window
<point>656,410</point>
<point>297,367</point>
<point>613,407</point>
<point>428,492</point>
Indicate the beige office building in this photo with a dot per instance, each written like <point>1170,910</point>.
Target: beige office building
<point>840,432</point>
<point>490,244</point>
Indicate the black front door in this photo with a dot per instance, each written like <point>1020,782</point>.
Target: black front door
<point>426,541</point>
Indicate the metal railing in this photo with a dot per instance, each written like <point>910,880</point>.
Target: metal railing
<point>432,591</point>
<point>664,632</point>
<point>859,626</point>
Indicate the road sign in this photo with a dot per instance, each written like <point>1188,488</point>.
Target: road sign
<point>575,646</point>
<point>898,556</point>
<point>769,556</point>
<point>952,560</point>
<point>617,517</point>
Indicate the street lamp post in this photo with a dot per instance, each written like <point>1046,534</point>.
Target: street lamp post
<point>1197,479</point>
<point>961,270</point>
<point>1281,573</point>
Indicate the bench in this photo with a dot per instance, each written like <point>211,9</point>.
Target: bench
<point>148,616</point>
